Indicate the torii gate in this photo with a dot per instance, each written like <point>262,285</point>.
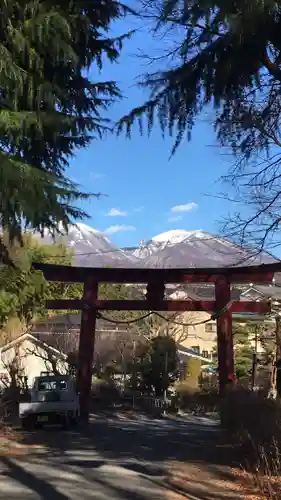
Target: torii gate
<point>156,279</point>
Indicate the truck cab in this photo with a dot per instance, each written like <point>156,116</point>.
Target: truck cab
<point>54,400</point>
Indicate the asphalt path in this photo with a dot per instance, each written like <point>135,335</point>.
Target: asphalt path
<point>113,457</point>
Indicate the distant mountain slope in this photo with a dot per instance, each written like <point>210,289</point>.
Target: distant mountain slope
<point>93,248</point>
<point>178,248</point>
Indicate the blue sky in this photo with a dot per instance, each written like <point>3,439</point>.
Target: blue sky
<point>145,193</point>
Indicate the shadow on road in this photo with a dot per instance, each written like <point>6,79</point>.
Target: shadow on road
<point>43,488</point>
<point>116,436</point>
<point>115,452</point>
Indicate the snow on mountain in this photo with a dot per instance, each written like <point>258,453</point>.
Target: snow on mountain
<point>178,236</point>
<point>176,248</point>
<point>92,248</point>
<point>181,248</point>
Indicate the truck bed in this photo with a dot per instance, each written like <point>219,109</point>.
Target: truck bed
<point>37,407</point>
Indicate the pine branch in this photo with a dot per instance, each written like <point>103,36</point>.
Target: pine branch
<point>220,59</point>
<point>49,107</point>
<point>35,198</point>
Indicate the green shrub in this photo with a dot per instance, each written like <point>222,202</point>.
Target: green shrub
<point>105,390</point>
<point>190,398</point>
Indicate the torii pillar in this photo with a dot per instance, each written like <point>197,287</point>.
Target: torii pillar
<point>87,346</point>
<point>224,335</point>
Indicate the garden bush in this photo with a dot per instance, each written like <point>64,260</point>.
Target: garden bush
<point>196,400</point>
<point>254,423</point>
<point>247,412</point>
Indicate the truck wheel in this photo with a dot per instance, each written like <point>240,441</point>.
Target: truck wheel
<point>65,423</point>
<point>74,422</point>
<point>28,423</point>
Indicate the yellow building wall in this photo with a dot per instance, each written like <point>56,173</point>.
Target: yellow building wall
<point>196,335</point>
<point>199,336</point>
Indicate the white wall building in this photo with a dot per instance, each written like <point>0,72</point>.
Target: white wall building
<point>29,356</point>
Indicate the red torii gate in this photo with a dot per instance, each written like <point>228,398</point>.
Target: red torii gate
<point>156,279</point>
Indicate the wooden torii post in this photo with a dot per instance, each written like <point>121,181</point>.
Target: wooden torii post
<point>156,279</point>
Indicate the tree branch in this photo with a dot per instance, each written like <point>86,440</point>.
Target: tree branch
<point>271,66</point>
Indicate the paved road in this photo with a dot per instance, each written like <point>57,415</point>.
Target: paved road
<point>114,458</point>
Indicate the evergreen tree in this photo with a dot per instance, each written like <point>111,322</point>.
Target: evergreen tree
<point>158,365</point>
<point>243,351</point>
<point>24,290</point>
<point>245,337</point>
<point>49,106</point>
<point>225,54</point>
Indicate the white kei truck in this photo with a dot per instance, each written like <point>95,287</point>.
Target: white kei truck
<point>54,401</point>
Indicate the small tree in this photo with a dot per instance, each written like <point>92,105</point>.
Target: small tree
<point>243,351</point>
<point>158,365</point>
<point>247,356</point>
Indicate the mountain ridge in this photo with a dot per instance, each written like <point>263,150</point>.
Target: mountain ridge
<point>177,248</point>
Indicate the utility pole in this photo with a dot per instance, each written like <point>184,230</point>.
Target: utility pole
<point>273,393</point>
<point>165,379</point>
<point>272,387</point>
<point>166,373</point>
<point>134,372</point>
<point>255,359</point>
<point>124,369</point>
<point>278,351</point>
<point>278,336</point>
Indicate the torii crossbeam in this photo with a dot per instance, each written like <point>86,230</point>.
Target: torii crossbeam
<point>155,279</point>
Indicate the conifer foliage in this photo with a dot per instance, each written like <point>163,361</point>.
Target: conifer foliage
<point>49,106</point>
<point>225,54</point>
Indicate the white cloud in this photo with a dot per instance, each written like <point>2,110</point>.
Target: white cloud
<point>188,207</point>
<point>96,175</point>
<point>115,212</point>
<point>175,219</point>
<point>118,229</point>
<point>138,209</point>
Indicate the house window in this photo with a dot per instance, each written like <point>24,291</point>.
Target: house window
<point>196,348</point>
<point>211,327</point>
<point>205,354</point>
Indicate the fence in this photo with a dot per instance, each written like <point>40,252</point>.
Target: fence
<point>148,404</point>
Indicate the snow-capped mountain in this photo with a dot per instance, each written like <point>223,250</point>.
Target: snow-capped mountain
<point>92,248</point>
<point>168,239</point>
<point>181,248</point>
<point>177,248</point>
